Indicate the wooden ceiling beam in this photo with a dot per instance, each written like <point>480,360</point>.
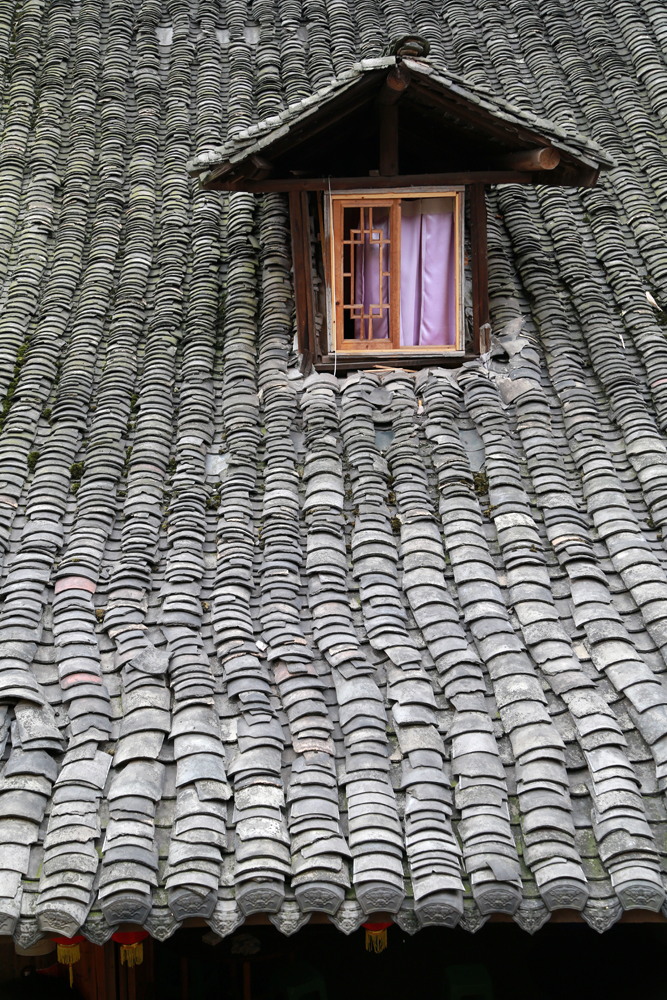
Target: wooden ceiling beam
<point>368,183</point>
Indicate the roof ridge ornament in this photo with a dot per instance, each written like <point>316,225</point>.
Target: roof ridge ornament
<point>410,47</point>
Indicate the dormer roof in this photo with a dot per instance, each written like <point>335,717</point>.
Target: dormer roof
<point>446,123</point>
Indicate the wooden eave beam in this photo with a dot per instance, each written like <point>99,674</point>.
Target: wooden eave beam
<point>569,172</point>
<point>568,175</point>
<point>369,183</point>
<point>543,158</point>
<point>221,171</point>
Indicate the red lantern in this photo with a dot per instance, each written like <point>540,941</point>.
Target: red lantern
<point>69,953</point>
<point>376,936</point>
<point>131,948</point>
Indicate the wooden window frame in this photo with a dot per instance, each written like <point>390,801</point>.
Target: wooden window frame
<point>334,205</point>
<point>314,319</point>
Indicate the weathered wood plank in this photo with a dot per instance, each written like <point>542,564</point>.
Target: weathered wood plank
<point>480,267</point>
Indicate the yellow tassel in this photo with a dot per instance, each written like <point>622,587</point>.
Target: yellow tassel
<point>132,954</point>
<point>376,940</point>
<point>68,954</point>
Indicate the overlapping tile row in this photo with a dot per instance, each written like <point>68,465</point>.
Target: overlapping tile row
<point>640,568</point>
<point>199,835</point>
<point>597,79</point>
<point>503,55</point>
<point>29,249</point>
<point>262,854</point>
<point>602,37</point>
<point>318,849</point>
<point>481,795</point>
<point>7,9</point>
<point>630,294</point>
<point>267,66</point>
<point>72,667</point>
<point>370,31</point>
<point>608,355</point>
<point>644,52</point>
<point>432,849</point>
<point>568,528</point>
<point>23,75</point>
<point>319,55</point>
<point>128,878</point>
<point>292,52</point>
<point>37,368</point>
<point>240,94</point>
<point>625,841</point>
<point>537,50</point>
<point>375,838</point>
<point>573,50</point>
<point>85,690</point>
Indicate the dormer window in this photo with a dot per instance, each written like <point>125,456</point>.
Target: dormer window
<point>386,170</point>
<point>395,271</point>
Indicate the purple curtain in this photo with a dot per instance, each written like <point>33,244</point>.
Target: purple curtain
<point>428,273</point>
<point>367,277</point>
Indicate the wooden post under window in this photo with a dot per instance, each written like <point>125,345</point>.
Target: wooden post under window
<point>184,977</point>
<point>110,977</point>
<point>122,981</point>
<point>303,293</point>
<point>480,269</point>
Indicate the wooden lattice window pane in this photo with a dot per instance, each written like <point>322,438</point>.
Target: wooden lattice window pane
<point>366,249</point>
<point>368,273</point>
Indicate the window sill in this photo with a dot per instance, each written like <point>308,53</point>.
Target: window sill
<point>392,359</point>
